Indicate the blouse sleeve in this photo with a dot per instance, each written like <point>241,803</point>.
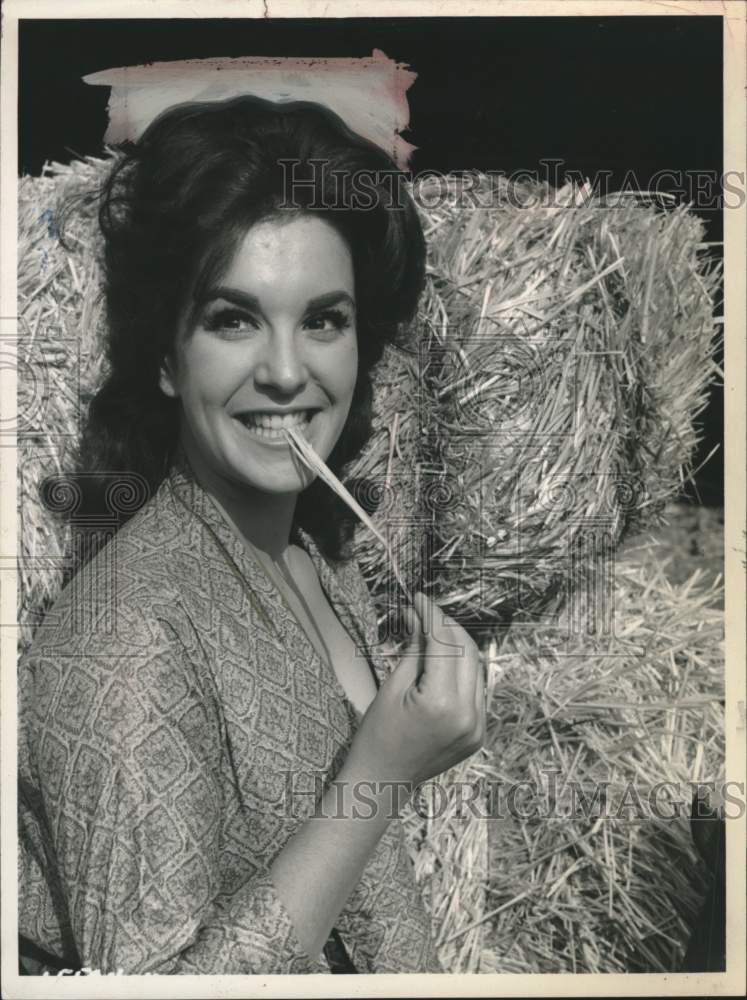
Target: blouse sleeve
<point>128,757</point>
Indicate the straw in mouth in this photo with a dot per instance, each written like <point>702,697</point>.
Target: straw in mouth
<point>306,453</point>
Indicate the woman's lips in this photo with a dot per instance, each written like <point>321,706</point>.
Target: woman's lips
<point>270,428</point>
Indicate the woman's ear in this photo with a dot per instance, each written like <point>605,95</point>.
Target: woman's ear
<point>166,380</point>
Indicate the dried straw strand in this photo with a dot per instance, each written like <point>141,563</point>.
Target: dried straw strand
<point>306,453</point>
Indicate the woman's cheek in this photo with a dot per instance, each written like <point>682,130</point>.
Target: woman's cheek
<point>216,365</point>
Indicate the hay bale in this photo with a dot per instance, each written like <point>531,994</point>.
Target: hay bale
<point>60,364</point>
<point>389,483</point>
<point>600,890</point>
<point>564,347</point>
<point>571,350</point>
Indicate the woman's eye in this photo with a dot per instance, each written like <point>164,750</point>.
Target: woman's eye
<point>230,322</point>
<point>330,321</point>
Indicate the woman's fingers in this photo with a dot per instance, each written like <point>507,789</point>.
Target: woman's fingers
<point>468,670</point>
<point>411,662</point>
<point>439,679</point>
<point>452,670</point>
<point>431,712</point>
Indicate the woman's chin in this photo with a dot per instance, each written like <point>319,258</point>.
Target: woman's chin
<point>276,475</point>
<point>278,482</point>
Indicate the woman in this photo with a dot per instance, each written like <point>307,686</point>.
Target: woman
<point>207,675</point>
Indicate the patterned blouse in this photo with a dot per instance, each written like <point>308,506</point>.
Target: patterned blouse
<point>175,725</point>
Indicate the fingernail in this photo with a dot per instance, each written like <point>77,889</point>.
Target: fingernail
<point>409,621</point>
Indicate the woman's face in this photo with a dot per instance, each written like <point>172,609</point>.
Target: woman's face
<point>271,344</point>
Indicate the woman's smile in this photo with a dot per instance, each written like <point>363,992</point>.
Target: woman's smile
<point>271,346</point>
<point>270,427</point>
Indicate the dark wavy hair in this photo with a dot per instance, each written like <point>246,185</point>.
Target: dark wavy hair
<point>173,211</point>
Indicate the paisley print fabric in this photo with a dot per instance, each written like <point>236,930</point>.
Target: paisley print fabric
<point>176,726</point>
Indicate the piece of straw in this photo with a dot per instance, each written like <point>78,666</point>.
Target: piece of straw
<point>307,454</point>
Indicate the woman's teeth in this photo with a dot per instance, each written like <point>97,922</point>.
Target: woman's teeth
<point>273,425</point>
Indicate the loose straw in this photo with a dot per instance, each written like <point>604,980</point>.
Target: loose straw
<point>305,452</point>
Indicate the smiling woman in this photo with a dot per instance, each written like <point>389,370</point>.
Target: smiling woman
<point>212,783</point>
<point>274,345</point>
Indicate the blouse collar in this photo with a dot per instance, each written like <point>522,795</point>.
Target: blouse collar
<point>266,598</point>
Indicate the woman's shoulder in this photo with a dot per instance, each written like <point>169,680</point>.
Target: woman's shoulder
<point>129,578</point>
<point>119,633</point>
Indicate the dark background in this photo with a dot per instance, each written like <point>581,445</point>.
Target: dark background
<point>613,93</point>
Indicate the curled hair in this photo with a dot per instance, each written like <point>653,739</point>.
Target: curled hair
<point>173,211</point>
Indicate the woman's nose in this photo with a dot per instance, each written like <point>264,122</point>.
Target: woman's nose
<point>280,364</point>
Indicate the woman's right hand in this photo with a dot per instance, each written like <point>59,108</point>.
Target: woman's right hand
<point>428,715</point>
<point>430,712</point>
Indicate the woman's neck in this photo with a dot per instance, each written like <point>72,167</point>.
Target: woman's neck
<point>265,525</point>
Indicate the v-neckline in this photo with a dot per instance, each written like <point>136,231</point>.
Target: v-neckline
<point>336,608</point>
<point>185,487</point>
<point>321,649</point>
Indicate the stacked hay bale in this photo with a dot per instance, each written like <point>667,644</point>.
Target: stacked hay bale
<point>565,351</point>
<point>545,405</point>
<point>566,347</point>
<point>60,364</point>
<point>552,849</point>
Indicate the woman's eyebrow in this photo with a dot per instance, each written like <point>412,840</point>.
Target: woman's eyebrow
<point>248,301</point>
<point>340,297</point>
<point>233,295</point>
